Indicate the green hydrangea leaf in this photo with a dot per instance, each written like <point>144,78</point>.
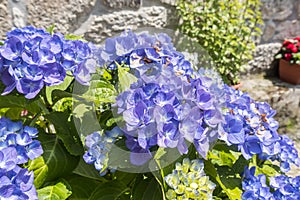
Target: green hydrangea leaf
<point>58,191</point>
<point>82,187</point>
<point>63,86</point>
<point>125,78</point>
<point>58,160</point>
<point>147,189</point>
<point>40,170</point>
<point>112,190</point>
<point>66,131</point>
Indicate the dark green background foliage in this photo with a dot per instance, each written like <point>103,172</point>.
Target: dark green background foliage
<point>225,28</point>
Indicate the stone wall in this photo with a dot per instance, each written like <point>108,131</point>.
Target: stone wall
<point>282,20</point>
<point>97,19</point>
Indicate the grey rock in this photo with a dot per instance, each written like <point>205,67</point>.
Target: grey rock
<point>269,31</point>
<point>65,15</point>
<point>5,19</point>
<point>263,58</point>
<point>111,24</point>
<point>18,17</point>
<point>277,9</point>
<point>122,3</point>
<point>170,2</point>
<point>287,29</point>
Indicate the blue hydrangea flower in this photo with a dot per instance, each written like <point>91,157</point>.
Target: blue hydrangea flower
<point>169,110</point>
<point>255,187</point>
<point>17,183</point>
<point>32,58</point>
<point>98,147</point>
<point>17,146</point>
<point>278,187</point>
<point>285,187</point>
<point>13,134</point>
<point>249,125</point>
<point>189,181</point>
<point>140,51</point>
<point>287,155</point>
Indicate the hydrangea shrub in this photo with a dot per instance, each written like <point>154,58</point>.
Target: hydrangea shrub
<point>131,119</point>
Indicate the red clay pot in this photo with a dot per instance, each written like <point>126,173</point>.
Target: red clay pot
<point>288,72</point>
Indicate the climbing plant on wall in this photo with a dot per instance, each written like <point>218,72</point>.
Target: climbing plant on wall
<point>225,28</point>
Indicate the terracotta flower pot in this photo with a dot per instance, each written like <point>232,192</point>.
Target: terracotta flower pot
<point>288,72</point>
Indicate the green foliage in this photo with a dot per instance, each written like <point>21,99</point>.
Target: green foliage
<point>225,28</point>
<point>125,78</point>
<point>58,191</point>
<point>58,160</point>
<point>63,86</point>
<point>40,170</point>
<point>223,166</point>
<point>66,131</point>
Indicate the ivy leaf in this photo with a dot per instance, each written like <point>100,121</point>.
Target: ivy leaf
<point>58,160</point>
<point>66,131</point>
<point>125,78</point>
<point>63,86</point>
<point>58,191</point>
<point>40,170</point>
<point>112,190</point>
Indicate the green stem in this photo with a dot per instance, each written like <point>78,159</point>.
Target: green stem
<point>163,183</point>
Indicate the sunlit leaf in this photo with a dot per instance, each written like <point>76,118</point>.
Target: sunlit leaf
<point>58,191</point>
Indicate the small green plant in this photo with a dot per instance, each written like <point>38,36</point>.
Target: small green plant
<point>225,28</point>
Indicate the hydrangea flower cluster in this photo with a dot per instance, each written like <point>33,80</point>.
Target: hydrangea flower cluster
<point>255,187</point>
<point>167,101</point>
<point>140,51</point>
<point>32,58</point>
<point>288,154</point>
<point>250,125</point>
<point>280,187</point>
<point>98,146</point>
<point>285,187</point>
<point>13,134</point>
<point>188,181</point>
<point>169,110</point>
<point>17,147</point>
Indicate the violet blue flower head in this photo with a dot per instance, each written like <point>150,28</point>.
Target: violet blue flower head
<point>168,110</point>
<point>258,129</point>
<point>98,147</point>
<point>285,187</point>
<point>287,155</point>
<point>139,51</point>
<point>17,183</point>
<point>32,58</point>
<point>13,134</point>
<point>255,187</point>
